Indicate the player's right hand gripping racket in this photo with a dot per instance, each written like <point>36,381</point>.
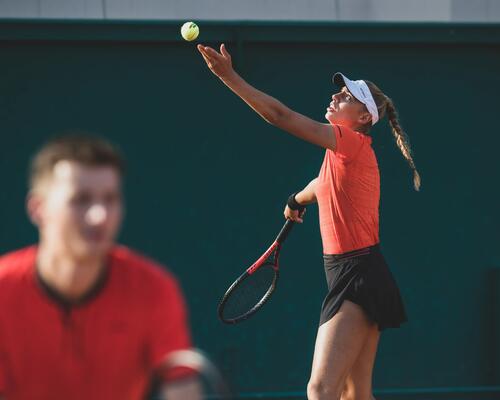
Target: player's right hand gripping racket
<point>254,287</point>
<point>206,380</point>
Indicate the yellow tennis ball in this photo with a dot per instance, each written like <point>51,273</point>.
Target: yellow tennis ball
<point>190,31</point>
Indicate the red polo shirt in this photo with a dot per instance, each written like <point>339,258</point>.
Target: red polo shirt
<point>105,348</point>
<point>348,193</point>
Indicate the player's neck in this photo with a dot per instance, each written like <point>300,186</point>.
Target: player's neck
<point>69,277</point>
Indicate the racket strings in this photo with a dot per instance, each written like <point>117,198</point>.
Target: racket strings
<point>250,293</point>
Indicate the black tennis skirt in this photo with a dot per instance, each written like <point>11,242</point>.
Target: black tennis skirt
<point>363,277</point>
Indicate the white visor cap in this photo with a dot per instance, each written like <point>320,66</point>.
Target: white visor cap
<point>360,90</point>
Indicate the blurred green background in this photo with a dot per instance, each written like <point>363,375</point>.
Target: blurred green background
<point>208,179</point>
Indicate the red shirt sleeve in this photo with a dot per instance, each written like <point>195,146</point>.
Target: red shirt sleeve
<point>169,330</point>
<point>348,142</point>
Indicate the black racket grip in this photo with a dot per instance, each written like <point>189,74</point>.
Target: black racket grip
<point>284,231</point>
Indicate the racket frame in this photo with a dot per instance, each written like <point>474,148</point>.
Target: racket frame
<point>262,260</point>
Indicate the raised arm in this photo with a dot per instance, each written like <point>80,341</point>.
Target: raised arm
<point>269,108</point>
<point>303,198</point>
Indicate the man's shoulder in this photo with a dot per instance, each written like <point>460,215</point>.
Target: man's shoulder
<point>16,271</point>
<point>16,263</point>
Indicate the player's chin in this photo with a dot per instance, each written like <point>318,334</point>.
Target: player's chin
<point>95,247</point>
<point>330,115</point>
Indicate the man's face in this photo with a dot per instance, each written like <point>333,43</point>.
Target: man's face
<point>79,209</point>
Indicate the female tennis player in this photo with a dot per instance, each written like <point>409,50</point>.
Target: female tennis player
<point>363,298</point>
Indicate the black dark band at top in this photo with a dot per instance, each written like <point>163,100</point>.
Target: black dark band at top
<point>293,204</point>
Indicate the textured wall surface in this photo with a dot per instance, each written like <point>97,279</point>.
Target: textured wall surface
<point>281,10</point>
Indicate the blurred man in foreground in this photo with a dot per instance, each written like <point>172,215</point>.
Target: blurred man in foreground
<point>80,316</point>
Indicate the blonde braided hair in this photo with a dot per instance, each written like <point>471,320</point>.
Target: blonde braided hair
<point>386,106</point>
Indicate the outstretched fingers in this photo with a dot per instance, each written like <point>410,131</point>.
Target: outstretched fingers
<point>219,63</point>
<point>224,52</point>
<point>203,51</point>
<point>209,52</point>
<point>210,56</point>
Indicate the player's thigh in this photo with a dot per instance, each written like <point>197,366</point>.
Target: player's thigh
<point>338,345</point>
<point>358,384</point>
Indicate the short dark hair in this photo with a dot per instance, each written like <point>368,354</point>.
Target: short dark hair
<point>80,147</point>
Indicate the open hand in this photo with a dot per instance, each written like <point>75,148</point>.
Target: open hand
<point>219,63</point>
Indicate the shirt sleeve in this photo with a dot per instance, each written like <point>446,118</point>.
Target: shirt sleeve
<point>348,143</point>
<point>169,330</point>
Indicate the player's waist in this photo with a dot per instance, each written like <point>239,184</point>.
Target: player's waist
<point>336,258</point>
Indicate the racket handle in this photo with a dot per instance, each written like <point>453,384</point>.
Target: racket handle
<point>284,231</point>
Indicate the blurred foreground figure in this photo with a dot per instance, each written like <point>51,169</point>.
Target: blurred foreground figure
<point>80,316</point>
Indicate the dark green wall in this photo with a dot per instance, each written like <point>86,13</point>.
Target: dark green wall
<point>208,179</point>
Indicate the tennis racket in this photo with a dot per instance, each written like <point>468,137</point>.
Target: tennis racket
<point>206,382</point>
<point>255,286</point>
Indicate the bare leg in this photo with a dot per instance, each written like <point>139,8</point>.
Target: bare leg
<point>358,384</point>
<point>339,343</point>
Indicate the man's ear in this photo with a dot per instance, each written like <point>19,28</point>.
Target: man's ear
<point>34,203</point>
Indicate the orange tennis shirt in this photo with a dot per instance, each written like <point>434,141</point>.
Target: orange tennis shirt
<point>348,193</point>
<point>105,348</point>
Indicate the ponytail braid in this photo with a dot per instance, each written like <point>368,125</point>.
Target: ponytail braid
<point>386,106</point>
<point>401,140</point>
